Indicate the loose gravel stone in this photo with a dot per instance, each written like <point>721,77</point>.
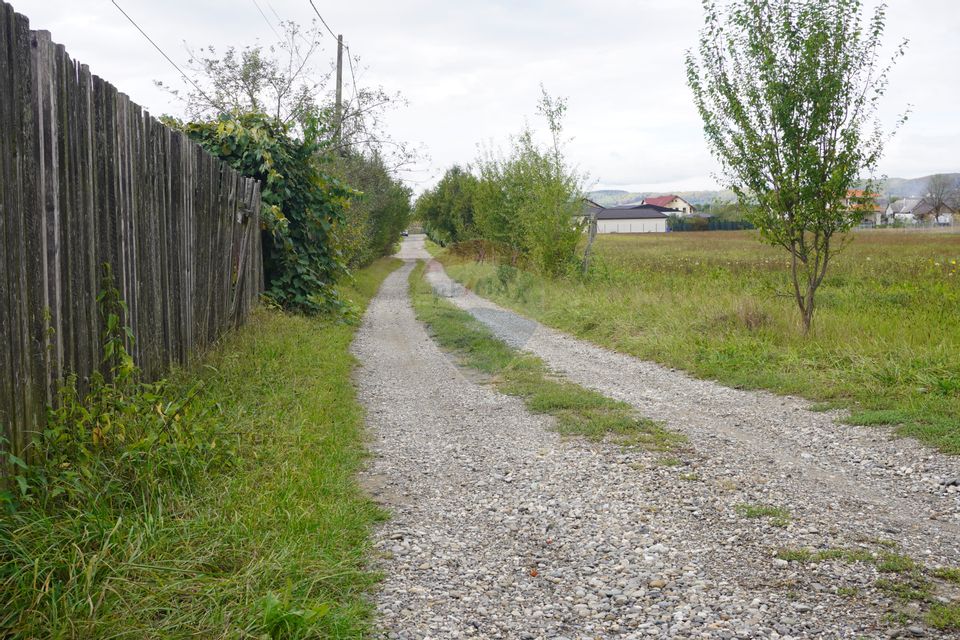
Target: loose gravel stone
<point>501,529</point>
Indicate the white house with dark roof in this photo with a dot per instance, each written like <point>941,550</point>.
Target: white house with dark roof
<point>638,218</point>
<point>916,210</point>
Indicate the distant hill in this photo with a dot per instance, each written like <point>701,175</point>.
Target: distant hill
<point>910,187</point>
<point>608,197</point>
<point>891,188</point>
<point>614,197</point>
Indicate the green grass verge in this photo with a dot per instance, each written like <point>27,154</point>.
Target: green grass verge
<point>885,562</point>
<point>578,411</point>
<point>950,574</point>
<point>432,247</point>
<point>269,540</point>
<point>884,340</point>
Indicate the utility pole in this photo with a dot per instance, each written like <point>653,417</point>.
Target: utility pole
<point>338,116</point>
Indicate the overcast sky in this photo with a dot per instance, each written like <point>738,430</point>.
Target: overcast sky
<point>471,72</point>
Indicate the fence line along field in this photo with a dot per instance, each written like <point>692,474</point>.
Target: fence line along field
<point>87,178</point>
<point>718,304</point>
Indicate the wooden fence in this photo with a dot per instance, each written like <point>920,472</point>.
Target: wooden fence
<point>87,178</point>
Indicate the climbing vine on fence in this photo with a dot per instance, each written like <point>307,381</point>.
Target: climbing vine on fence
<point>302,203</point>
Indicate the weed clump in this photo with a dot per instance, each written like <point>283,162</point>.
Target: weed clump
<point>778,516</point>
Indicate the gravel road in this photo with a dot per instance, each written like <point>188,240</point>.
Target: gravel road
<point>501,529</point>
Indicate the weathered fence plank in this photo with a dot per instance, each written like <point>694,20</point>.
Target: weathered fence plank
<point>87,178</point>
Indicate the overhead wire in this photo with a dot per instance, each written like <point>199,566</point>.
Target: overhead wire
<point>163,53</point>
<point>302,59</point>
<point>273,11</point>
<point>353,75</point>
<point>316,11</point>
<point>265,19</point>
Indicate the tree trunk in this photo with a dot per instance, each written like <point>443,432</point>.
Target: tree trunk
<point>808,308</point>
<point>799,296</point>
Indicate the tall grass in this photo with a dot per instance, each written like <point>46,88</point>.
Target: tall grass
<point>885,340</point>
<point>257,529</point>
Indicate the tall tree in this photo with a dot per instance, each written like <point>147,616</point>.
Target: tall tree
<point>527,201</point>
<point>941,190</point>
<point>289,81</point>
<point>446,211</point>
<point>788,92</point>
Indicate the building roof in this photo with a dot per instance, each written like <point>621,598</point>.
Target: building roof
<point>589,207</point>
<point>860,200</point>
<point>915,207</point>
<point>660,201</point>
<point>634,212</point>
<point>906,205</point>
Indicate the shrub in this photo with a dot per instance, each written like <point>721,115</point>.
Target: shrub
<point>447,210</point>
<point>378,210</point>
<point>523,205</point>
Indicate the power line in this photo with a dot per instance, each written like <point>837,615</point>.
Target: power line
<point>353,75</point>
<point>325,23</point>
<point>269,24</point>
<point>280,21</point>
<point>293,47</point>
<point>175,66</point>
<point>273,11</point>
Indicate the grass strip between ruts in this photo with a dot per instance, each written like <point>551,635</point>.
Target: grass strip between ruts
<point>578,411</point>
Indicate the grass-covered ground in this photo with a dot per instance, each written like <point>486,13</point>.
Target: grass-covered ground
<point>262,532</point>
<point>577,411</point>
<point>885,340</point>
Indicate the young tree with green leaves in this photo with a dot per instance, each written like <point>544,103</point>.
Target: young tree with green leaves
<point>788,91</point>
<point>527,201</point>
<point>446,211</point>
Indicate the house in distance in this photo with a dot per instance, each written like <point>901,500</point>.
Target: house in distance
<point>913,211</point>
<point>635,218</point>
<point>868,204</point>
<point>678,204</point>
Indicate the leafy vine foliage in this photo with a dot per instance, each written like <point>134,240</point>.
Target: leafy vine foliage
<point>332,201</point>
<point>303,203</point>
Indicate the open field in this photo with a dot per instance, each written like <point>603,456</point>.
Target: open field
<point>885,340</point>
<point>265,540</point>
